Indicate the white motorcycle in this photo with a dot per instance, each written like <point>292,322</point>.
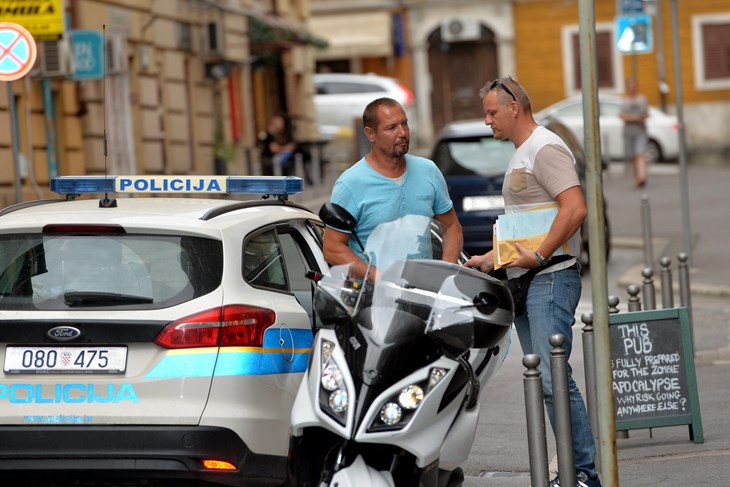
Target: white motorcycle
<point>391,394</point>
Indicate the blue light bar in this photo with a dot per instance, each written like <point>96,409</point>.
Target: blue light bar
<point>278,185</point>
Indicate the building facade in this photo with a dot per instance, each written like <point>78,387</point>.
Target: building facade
<point>188,85</point>
<point>452,48</point>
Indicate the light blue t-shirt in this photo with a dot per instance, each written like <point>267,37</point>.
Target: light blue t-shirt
<point>373,198</point>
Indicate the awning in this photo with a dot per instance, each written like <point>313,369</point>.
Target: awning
<point>272,31</point>
<point>365,34</point>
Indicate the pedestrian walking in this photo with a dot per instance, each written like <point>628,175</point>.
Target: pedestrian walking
<point>634,112</point>
<point>541,173</point>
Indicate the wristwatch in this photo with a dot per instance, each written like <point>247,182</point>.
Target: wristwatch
<point>540,259</point>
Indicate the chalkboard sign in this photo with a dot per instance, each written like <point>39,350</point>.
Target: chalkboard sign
<point>652,362</point>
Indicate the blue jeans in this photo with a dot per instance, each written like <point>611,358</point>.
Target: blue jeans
<point>551,303</point>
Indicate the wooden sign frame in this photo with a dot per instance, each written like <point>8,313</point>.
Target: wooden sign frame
<point>677,321</point>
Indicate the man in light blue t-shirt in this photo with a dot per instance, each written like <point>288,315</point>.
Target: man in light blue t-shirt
<point>386,184</point>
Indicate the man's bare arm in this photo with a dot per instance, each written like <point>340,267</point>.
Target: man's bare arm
<point>453,236</point>
<point>337,251</point>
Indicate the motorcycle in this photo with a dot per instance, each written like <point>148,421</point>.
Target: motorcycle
<point>391,394</point>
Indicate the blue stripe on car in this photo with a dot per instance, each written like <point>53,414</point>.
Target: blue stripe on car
<point>277,356</point>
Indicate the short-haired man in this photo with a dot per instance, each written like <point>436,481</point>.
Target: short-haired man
<point>389,183</point>
<point>542,173</point>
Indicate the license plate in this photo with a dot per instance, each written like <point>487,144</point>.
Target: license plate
<point>481,203</point>
<point>65,360</point>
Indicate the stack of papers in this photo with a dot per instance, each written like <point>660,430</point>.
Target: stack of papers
<point>529,228</point>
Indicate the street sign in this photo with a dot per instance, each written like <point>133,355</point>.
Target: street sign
<point>42,18</point>
<point>634,34</point>
<point>630,7</point>
<point>87,51</point>
<point>17,51</point>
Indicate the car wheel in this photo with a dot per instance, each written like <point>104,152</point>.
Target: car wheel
<point>652,153</point>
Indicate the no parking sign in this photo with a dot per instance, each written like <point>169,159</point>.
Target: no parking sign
<point>17,51</point>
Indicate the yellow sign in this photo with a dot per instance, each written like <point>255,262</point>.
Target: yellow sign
<point>42,18</point>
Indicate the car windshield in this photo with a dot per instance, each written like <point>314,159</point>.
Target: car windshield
<point>473,156</point>
<point>63,272</point>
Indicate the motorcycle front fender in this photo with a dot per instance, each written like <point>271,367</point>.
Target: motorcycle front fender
<point>359,474</point>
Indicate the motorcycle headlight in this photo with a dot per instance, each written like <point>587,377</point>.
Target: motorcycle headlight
<point>338,401</point>
<point>333,394</point>
<point>331,377</point>
<point>411,397</point>
<point>391,414</point>
<point>397,410</point>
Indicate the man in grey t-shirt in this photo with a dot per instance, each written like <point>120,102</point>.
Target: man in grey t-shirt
<point>634,112</point>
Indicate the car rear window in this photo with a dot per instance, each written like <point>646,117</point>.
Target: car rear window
<point>482,156</point>
<point>126,271</point>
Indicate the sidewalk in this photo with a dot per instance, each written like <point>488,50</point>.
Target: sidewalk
<point>709,199</point>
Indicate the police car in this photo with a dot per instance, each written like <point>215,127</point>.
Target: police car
<point>155,337</point>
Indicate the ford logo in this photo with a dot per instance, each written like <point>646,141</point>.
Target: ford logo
<point>63,333</point>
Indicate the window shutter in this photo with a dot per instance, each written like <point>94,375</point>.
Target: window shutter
<point>716,48</point>
<point>604,60</point>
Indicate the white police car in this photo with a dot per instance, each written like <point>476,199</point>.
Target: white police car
<point>155,337</point>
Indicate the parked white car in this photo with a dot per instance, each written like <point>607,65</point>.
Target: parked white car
<point>662,128</point>
<point>342,97</point>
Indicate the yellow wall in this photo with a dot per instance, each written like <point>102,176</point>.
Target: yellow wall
<point>539,54</point>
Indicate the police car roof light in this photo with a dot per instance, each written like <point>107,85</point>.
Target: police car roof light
<point>278,185</point>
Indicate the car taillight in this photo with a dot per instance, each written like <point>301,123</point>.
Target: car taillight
<point>227,326</point>
<point>409,95</point>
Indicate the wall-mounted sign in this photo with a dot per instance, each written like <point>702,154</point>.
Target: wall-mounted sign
<point>634,34</point>
<point>88,54</point>
<point>42,18</point>
<point>17,51</point>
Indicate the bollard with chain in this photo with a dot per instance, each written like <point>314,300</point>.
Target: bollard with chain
<point>647,289</point>
<point>667,291</point>
<point>634,301</point>
<point>536,439</point>
<point>561,410</point>
<point>589,364</point>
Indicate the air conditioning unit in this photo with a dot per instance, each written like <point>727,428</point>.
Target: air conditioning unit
<point>213,38</point>
<point>54,59</point>
<point>458,29</point>
<point>115,54</point>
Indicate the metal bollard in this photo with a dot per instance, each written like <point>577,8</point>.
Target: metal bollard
<point>561,408</point>
<point>667,291</point>
<point>316,168</point>
<point>536,439</point>
<point>299,165</point>
<point>589,365</point>
<point>685,296</point>
<point>647,289</point>
<point>613,304</point>
<point>646,225</point>
<point>634,301</point>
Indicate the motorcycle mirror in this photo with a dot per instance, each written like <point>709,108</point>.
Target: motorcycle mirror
<point>335,216</point>
<point>486,303</point>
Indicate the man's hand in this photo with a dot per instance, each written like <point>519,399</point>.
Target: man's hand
<point>484,263</point>
<point>526,260</point>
